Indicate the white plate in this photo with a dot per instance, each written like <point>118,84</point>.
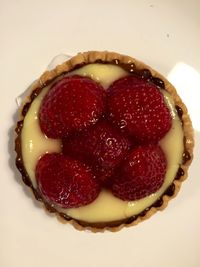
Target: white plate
<point>164,34</point>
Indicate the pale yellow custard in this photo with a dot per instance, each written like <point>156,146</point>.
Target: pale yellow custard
<point>34,142</point>
<point>105,74</point>
<point>106,207</point>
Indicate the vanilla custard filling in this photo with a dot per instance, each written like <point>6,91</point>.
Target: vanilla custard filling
<point>106,207</point>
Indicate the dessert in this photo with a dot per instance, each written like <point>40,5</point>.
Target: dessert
<point>103,141</point>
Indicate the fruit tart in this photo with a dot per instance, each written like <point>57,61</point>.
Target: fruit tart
<point>103,141</point>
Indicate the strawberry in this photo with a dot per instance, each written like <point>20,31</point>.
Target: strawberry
<point>66,182</point>
<point>138,108</point>
<point>102,146</point>
<point>141,174</point>
<point>72,104</point>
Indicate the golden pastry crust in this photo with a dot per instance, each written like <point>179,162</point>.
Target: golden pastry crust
<point>107,57</point>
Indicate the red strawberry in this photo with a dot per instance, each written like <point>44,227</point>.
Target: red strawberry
<point>137,107</point>
<point>72,104</point>
<point>66,182</point>
<point>141,174</point>
<point>103,174</point>
<point>102,146</point>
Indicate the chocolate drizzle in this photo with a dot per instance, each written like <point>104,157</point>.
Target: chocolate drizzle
<point>179,173</point>
<point>158,82</point>
<point>186,156</point>
<point>145,74</point>
<point>131,68</point>
<point>179,111</point>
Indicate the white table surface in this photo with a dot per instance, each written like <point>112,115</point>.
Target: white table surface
<point>164,34</point>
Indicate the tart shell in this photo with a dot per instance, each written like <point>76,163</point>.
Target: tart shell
<point>132,64</point>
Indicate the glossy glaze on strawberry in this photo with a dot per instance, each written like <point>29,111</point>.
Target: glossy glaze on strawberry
<point>137,107</point>
<point>102,146</point>
<point>109,138</point>
<point>72,104</point>
<point>141,174</point>
<point>65,181</point>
